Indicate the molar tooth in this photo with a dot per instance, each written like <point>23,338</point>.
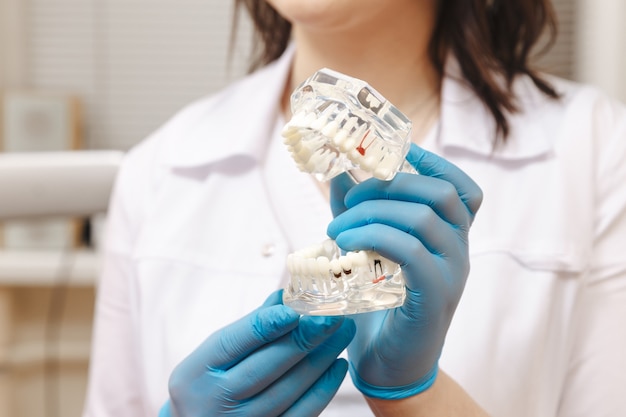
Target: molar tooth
<point>387,166</point>
<point>292,136</point>
<point>347,144</point>
<point>335,266</point>
<point>358,258</point>
<point>339,138</point>
<point>346,264</point>
<point>316,160</point>
<point>368,163</point>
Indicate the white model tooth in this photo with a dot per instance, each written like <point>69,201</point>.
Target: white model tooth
<point>319,123</point>
<point>322,118</point>
<point>342,116</point>
<point>298,118</point>
<point>323,267</point>
<point>291,136</point>
<point>347,144</point>
<point>369,163</point>
<point>314,162</point>
<point>358,258</point>
<point>320,161</point>
<point>359,133</point>
<point>311,267</point>
<point>387,167</point>
<point>327,161</point>
<point>331,128</point>
<point>328,248</point>
<point>307,252</point>
<point>350,124</point>
<point>335,266</point>
<point>305,152</point>
<point>339,138</point>
<point>346,264</point>
<point>308,119</point>
<point>355,156</point>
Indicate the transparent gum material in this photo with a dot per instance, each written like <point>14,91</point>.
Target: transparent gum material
<point>341,124</point>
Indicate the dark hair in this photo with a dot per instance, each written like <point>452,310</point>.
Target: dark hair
<point>491,39</point>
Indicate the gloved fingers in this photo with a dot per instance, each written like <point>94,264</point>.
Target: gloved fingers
<point>273,299</point>
<point>431,165</point>
<point>315,400</point>
<point>233,343</point>
<point>436,193</point>
<point>420,267</point>
<point>300,383</point>
<point>339,186</point>
<point>418,220</point>
<point>269,363</point>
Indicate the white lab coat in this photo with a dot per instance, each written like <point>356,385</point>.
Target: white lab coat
<point>206,210</point>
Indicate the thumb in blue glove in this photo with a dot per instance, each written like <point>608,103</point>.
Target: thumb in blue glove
<point>420,222</point>
<point>269,363</point>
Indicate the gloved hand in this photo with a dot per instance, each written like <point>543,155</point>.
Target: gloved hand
<point>420,222</point>
<point>269,363</point>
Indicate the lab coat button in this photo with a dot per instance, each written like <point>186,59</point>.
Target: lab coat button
<point>268,250</point>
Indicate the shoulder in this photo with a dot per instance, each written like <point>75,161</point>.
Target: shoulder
<point>577,103</point>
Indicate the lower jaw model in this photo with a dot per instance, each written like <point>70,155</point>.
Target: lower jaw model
<point>341,124</point>
<point>324,282</point>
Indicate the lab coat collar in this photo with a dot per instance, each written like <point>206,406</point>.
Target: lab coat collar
<point>466,124</point>
<point>233,124</point>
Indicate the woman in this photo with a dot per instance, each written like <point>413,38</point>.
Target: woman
<point>206,210</point>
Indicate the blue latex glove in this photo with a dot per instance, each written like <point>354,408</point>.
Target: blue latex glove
<point>269,363</point>
<point>420,222</point>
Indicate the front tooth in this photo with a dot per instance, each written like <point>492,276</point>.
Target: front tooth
<point>323,266</point>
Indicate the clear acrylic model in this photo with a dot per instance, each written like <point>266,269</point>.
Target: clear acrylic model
<point>341,124</point>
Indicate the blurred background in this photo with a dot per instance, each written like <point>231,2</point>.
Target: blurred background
<point>102,75</point>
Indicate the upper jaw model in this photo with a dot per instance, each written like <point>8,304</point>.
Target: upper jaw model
<point>341,124</point>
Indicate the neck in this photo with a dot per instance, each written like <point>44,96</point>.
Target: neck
<point>394,60</point>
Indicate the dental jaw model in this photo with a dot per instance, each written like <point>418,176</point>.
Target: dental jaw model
<point>341,124</point>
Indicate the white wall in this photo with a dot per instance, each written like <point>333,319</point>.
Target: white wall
<point>11,43</point>
<point>601,39</point>
<point>132,62</point>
